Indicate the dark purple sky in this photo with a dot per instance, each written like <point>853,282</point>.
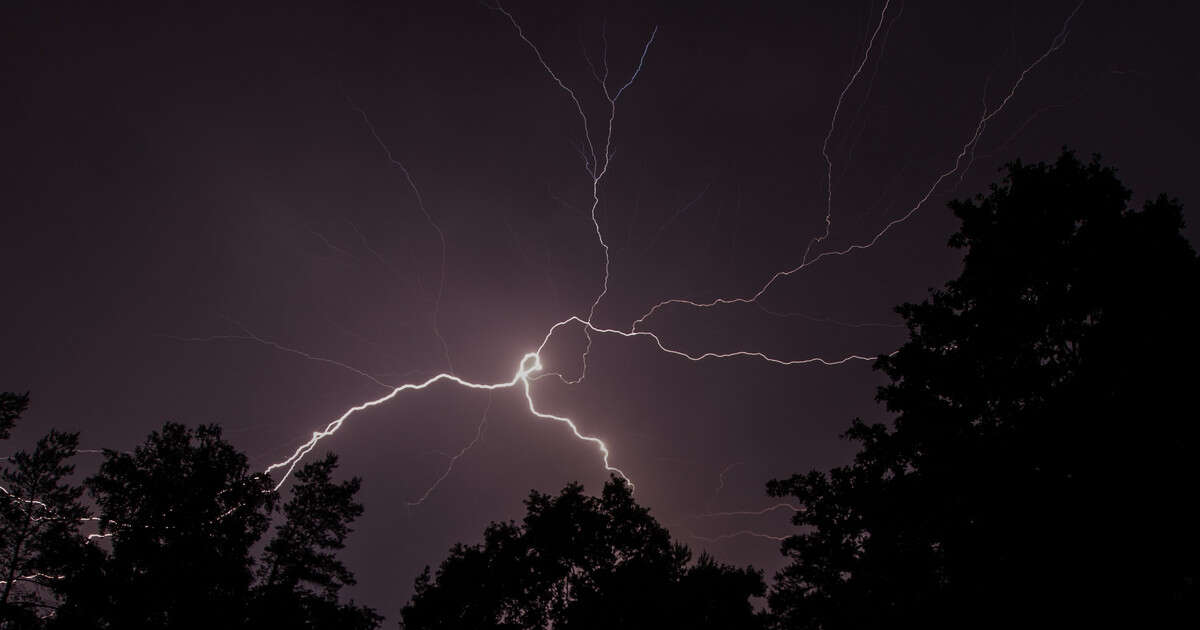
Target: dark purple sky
<point>173,170</point>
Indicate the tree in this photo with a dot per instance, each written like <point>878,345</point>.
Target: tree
<point>579,562</point>
<point>12,405</point>
<point>1037,469</point>
<point>184,513</point>
<point>300,576</point>
<point>40,512</point>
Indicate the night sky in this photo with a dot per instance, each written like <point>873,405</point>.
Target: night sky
<point>180,171</point>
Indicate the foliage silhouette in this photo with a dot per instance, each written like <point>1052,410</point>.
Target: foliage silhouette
<point>301,577</point>
<point>1037,471</point>
<point>184,513</point>
<point>12,405</point>
<point>40,512</point>
<point>578,562</point>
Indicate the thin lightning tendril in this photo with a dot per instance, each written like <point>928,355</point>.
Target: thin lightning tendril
<point>742,532</point>
<point>596,168</point>
<point>833,123</point>
<point>250,336</point>
<point>412,184</point>
<point>825,320</point>
<point>1059,40</point>
<point>766,510</point>
<point>456,457</point>
<point>34,576</point>
<point>721,477</point>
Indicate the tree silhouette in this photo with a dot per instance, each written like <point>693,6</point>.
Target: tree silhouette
<point>300,574</point>
<point>40,514</point>
<point>184,512</point>
<point>579,562</point>
<point>12,405</point>
<point>1037,470</point>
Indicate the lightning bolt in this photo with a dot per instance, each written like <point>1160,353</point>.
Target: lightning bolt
<point>766,510</point>
<point>412,184</point>
<point>737,513</point>
<point>1059,40</point>
<point>597,156</point>
<point>83,451</point>
<point>19,499</point>
<point>829,134</point>
<point>250,336</point>
<point>530,364</point>
<point>34,576</point>
<point>721,477</point>
<point>456,457</point>
<point>34,505</point>
<point>740,532</point>
<point>596,167</point>
<point>825,320</point>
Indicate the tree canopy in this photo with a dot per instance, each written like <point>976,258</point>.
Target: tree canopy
<point>300,575</point>
<point>578,561</point>
<point>40,513</point>
<point>182,515</point>
<point>1037,467</point>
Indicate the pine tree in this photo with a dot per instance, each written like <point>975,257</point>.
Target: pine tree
<point>301,576</point>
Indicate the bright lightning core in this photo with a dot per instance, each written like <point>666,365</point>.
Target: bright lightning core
<point>530,364</point>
